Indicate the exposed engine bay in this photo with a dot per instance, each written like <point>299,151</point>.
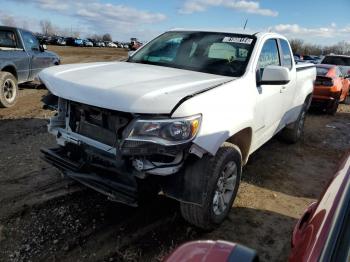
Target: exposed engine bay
<point>102,133</point>
<point>122,154</point>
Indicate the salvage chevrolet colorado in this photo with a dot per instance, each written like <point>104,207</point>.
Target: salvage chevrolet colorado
<point>181,116</point>
<point>21,59</point>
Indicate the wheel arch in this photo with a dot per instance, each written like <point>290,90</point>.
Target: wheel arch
<point>242,139</point>
<point>10,69</point>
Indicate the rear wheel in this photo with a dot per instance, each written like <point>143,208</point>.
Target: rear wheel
<point>293,132</point>
<point>334,107</point>
<point>347,100</point>
<point>8,89</point>
<point>223,172</point>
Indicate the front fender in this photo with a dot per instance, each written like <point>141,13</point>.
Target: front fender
<point>225,111</point>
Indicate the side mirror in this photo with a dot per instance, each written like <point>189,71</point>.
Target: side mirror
<point>275,75</point>
<point>43,48</point>
<point>130,53</point>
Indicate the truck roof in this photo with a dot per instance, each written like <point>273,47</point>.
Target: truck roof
<point>8,27</point>
<point>235,31</point>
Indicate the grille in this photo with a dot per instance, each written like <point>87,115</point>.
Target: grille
<point>105,126</point>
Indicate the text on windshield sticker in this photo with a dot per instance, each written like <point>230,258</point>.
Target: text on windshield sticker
<point>239,40</point>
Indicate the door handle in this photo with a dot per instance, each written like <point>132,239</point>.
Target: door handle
<point>283,88</point>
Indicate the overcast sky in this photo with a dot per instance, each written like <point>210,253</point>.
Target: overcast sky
<point>315,21</point>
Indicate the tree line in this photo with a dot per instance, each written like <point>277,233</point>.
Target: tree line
<point>48,29</point>
<point>300,47</point>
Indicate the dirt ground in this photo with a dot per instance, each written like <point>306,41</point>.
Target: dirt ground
<point>46,217</point>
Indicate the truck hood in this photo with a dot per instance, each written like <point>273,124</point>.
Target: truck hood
<point>127,87</point>
<point>50,53</point>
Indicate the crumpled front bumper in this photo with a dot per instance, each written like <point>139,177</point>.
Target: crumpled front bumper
<point>120,186</point>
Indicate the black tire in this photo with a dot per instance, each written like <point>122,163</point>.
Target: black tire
<point>333,108</point>
<point>347,100</point>
<point>8,89</point>
<point>293,132</point>
<point>207,216</point>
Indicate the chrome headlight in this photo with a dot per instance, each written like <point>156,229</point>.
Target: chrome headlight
<point>165,131</point>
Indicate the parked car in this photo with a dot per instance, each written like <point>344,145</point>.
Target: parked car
<point>196,106</point>
<point>58,41</point>
<point>330,88</point>
<point>312,59</point>
<point>110,44</point>
<point>134,45</point>
<point>87,43</point>
<point>21,59</point>
<point>78,42</point>
<point>342,61</point>
<point>99,44</point>
<point>297,60</point>
<point>323,232</point>
<point>212,251</point>
<point>72,41</point>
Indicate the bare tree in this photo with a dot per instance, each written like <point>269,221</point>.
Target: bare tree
<point>107,37</point>
<point>95,37</point>
<point>46,27</point>
<point>296,45</point>
<point>75,34</point>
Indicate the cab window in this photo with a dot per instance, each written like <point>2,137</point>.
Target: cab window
<point>269,56</point>
<point>8,39</point>
<point>30,41</point>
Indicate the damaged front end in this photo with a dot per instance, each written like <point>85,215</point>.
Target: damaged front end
<point>116,153</point>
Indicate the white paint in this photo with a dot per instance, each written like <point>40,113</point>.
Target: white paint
<point>226,109</point>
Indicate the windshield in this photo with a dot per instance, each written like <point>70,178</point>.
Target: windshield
<point>337,60</point>
<point>214,53</point>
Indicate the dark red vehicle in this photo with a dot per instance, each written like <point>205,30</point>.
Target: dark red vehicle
<point>323,232</point>
<point>212,251</point>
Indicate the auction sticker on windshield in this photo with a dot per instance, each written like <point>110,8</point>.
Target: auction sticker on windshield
<point>240,40</point>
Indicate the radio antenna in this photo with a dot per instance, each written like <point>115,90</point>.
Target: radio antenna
<point>245,24</point>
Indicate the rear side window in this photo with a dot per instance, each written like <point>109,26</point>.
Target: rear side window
<point>321,71</point>
<point>8,39</point>
<point>286,54</point>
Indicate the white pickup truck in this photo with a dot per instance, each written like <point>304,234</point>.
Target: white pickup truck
<point>181,116</point>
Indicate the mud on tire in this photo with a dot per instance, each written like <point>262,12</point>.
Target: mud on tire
<point>8,89</point>
<point>209,215</point>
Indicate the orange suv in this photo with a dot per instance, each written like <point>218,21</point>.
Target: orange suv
<point>330,88</point>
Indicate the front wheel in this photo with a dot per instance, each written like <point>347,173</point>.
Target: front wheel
<point>8,89</point>
<point>223,172</point>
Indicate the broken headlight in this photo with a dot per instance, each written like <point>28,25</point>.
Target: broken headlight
<point>165,131</point>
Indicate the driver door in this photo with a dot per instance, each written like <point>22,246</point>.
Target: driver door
<point>270,106</point>
<point>38,59</point>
